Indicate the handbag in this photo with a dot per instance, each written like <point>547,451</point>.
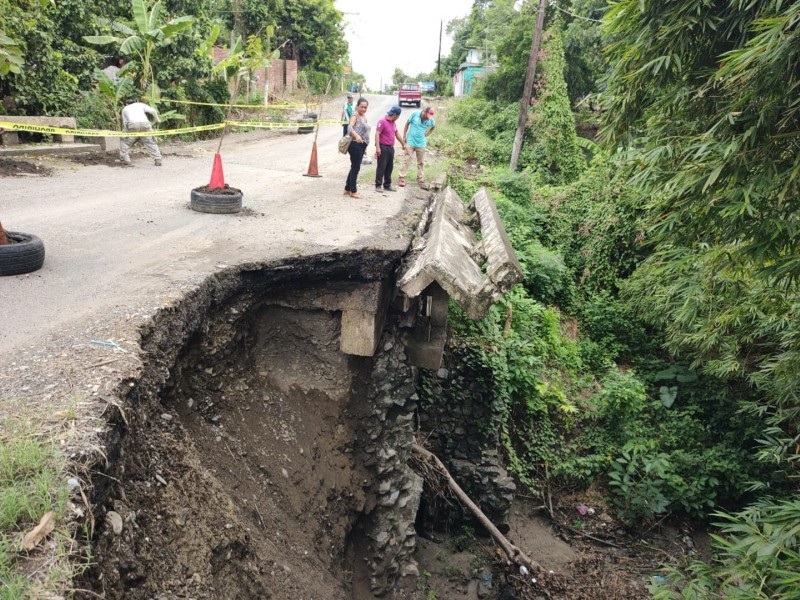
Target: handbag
<point>344,144</point>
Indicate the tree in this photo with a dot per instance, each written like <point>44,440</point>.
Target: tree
<point>583,48</point>
<point>555,155</point>
<point>703,99</point>
<point>398,77</point>
<point>316,33</point>
<point>143,37</point>
<point>45,85</point>
<point>711,97</point>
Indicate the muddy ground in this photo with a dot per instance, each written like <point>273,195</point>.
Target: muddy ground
<point>235,479</point>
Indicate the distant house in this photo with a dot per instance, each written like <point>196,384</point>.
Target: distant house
<point>474,67</point>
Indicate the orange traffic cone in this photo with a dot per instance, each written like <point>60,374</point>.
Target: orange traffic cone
<point>312,165</point>
<point>217,178</point>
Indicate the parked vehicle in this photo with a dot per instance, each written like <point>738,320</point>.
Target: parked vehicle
<point>409,93</point>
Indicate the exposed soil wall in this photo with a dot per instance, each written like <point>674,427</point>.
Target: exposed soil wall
<point>245,462</point>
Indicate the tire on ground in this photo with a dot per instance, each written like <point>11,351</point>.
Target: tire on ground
<point>305,125</point>
<point>216,203</point>
<point>24,255</point>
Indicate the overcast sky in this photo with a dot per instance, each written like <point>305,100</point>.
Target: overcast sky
<point>401,34</point>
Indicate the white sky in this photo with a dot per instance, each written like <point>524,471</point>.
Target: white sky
<point>404,34</point>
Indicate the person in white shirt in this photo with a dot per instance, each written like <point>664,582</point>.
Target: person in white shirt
<point>134,118</point>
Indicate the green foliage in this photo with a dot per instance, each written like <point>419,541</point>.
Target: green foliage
<point>706,110</point>
<point>638,481</point>
<point>612,332</point>
<point>93,112</point>
<point>757,557</point>
<point>314,82</point>
<point>527,365</point>
<point>513,47</point>
<point>735,325</point>
<point>555,156</point>
<point>143,37</point>
<point>645,482</point>
<point>583,49</point>
<point>619,402</point>
<point>10,55</point>
<point>316,31</point>
<point>708,98</point>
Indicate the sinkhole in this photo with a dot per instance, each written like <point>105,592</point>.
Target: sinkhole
<point>252,457</point>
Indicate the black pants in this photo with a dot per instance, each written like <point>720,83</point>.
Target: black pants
<point>345,127</point>
<point>356,152</point>
<point>383,176</point>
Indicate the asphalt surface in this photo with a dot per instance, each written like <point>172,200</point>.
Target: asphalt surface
<point>123,243</point>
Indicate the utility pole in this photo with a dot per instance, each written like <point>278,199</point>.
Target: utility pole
<point>439,59</point>
<point>526,92</point>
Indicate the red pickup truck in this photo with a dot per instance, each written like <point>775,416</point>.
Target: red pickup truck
<point>409,93</point>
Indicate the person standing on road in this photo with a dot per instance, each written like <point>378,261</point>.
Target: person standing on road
<point>134,118</point>
<point>359,130</point>
<point>415,136</point>
<point>385,134</point>
<point>347,112</point>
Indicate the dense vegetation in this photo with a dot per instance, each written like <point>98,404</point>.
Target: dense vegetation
<point>653,345</point>
<point>51,53</point>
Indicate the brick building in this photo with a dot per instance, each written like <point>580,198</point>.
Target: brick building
<point>281,74</point>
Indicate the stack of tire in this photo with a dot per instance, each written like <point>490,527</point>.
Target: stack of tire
<point>306,123</point>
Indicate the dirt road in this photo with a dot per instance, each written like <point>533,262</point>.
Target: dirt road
<point>121,242</point>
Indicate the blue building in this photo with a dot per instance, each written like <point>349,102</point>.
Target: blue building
<point>473,68</point>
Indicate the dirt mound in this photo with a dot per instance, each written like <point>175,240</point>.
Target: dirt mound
<point>10,167</point>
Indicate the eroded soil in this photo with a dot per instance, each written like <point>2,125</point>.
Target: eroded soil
<point>12,167</point>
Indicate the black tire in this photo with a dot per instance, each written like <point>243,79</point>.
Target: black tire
<point>24,255</point>
<point>217,203</point>
<point>306,125</point>
<point>419,103</point>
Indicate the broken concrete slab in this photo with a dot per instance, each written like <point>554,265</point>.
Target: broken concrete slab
<point>474,273</point>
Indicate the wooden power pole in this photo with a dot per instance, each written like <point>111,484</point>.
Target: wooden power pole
<point>526,92</point>
<point>439,58</point>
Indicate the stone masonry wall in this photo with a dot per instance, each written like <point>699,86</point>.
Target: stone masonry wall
<point>389,524</point>
<point>456,420</point>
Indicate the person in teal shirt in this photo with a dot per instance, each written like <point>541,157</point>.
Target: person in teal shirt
<point>347,112</point>
<point>415,137</point>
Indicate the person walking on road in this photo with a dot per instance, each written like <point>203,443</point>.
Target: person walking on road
<point>359,130</point>
<point>385,134</point>
<point>347,112</point>
<point>134,118</point>
<point>415,136</point>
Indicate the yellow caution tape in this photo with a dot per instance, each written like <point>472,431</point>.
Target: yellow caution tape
<point>4,125</point>
<point>103,132</point>
<point>192,102</point>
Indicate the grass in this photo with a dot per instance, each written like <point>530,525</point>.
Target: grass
<point>32,483</point>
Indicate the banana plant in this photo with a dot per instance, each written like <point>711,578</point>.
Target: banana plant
<point>114,90</point>
<point>239,63</point>
<point>141,38</point>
